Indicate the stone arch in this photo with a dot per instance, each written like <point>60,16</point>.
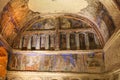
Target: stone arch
<point>74,16</point>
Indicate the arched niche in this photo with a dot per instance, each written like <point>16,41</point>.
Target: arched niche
<point>59,33</point>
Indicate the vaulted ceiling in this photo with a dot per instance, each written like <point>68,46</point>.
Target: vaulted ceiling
<point>17,14</point>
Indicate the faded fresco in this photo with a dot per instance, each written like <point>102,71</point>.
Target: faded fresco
<point>16,14</point>
<point>91,62</point>
<point>70,34</point>
<point>101,17</point>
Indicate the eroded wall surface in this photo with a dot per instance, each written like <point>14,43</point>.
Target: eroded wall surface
<point>112,56</point>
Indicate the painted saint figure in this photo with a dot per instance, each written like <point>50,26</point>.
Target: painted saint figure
<point>65,24</point>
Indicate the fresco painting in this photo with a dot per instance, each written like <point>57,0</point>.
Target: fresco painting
<point>55,62</point>
<point>61,33</point>
<point>93,62</point>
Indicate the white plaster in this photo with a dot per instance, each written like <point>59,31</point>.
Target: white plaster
<point>50,6</point>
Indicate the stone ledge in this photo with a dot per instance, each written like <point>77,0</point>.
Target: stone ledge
<point>17,75</point>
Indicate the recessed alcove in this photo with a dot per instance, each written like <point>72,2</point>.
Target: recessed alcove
<point>48,44</point>
<point>60,39</point>
<point>59,33</point>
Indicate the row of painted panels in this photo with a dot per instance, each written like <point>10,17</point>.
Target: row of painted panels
<point>91,62</point>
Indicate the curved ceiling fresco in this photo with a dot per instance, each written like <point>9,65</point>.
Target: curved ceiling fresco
<point>17,14</point>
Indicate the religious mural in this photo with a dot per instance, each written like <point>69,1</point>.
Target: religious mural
<point>45,35</point>
<point>77,24</point>
<point>46,24</point>
<point>93,62</point>
<point>15,16</point>
<point>73,41</point>
<point>65,23</point>
<point>103,19</point>
<point>32,62</point>
<point>10,19</point>
<point>54,62</point>
<point>50,23</point>
<point>67,33</point>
